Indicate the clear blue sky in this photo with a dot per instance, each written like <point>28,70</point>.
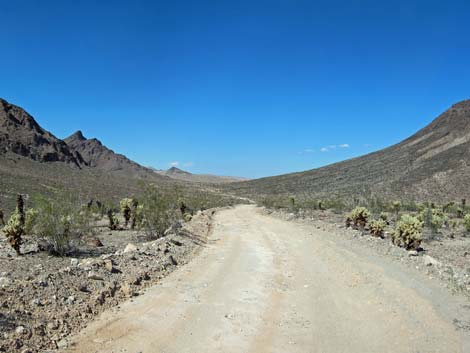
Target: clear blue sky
<point>249,88</point>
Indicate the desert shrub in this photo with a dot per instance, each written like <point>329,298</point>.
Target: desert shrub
<point>433,218</point>
<point>2,219</point>
<point>60,221</point>
<point>159,212</point>
<point>408,232</point>
<point>359,216</point>
<point>377,227</point>
<point>466,222</point>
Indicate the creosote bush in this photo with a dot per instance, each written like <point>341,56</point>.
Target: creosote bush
<point>60,220</point>
<point>408,233</point>
<point>159,211</point>
<point>377,227</point>
<point>359,216</point>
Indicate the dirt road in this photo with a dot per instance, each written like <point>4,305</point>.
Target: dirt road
<point>266,285</point>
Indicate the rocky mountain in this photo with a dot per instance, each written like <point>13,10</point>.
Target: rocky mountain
<point>179,174</point>
<point>20,134</point>
<point>96,155</point>
<point>433,164</point>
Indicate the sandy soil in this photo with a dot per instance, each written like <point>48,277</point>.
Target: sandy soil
<point>267,285</point>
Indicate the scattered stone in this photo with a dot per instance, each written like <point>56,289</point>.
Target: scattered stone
<point>94,242</point>
<point>412,253</point>
<point>74,262</point>
<point>70,300</point>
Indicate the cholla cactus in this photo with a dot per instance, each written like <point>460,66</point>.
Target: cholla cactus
<point>383,216</point>
<point>408,232</point>
<point>359,216</point>
<point>14,230</point>
<point>20,208</point>
<point>466,222</point>
<point>113,221</point>
<point>126,209</point>
<point>377,227</point>
<point>396,207</point>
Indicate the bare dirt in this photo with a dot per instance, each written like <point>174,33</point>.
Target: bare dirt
<point>263,284</point>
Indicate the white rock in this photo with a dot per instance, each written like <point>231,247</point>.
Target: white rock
<point>129,248</point>
<point>412,253</point>
<point>430,261</point>
<point>74,262</point>
<point>95,276</point>
<point>20,330</point>
<point>70,300</point>
<point>4,282</point>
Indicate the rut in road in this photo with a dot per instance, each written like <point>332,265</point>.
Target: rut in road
<point>267,285</point>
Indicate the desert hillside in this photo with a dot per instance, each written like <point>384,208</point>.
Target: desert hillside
<point>433,164</point>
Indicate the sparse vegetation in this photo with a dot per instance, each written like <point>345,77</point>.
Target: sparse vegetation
<point>466,222</point>
<point>126,205</point>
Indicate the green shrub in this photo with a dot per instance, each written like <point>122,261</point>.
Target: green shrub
<point>408,232</point>
<point>359,216</point>
<point>377,227</point>
<point>383,216</point>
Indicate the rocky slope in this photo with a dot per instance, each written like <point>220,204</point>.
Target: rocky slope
<point>96,155</point>
<point>433,164</point>
<point>20,134</point>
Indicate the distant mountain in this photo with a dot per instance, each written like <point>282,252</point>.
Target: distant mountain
<point>433,164</point>
<point>20,134</point>
<point>98,156</point>
<point>179,174</point>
